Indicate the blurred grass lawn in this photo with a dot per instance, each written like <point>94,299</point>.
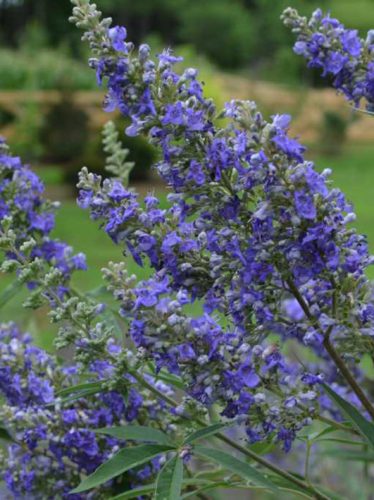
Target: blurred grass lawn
<point>353,172</point>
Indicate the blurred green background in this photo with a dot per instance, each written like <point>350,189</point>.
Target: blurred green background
<point>50,107</point>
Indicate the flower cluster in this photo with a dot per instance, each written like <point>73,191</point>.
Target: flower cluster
<point>26,221</point>
<point>254,233</point>
<point>54,442</point>
<point>339,52</point>
<point>52,434</point>
<point>253,255</point>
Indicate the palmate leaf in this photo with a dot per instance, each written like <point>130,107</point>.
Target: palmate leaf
<point>237,466</point>
<point>122,461</point>
<point>169,480</point>
<point>137,433</point>
<point>364,427</point>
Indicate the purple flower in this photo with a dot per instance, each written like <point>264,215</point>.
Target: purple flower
<point>351,42</point>
<point>117,36</point>
<point>305,205</point>
<point>335,62</point>
<point>293,310</point>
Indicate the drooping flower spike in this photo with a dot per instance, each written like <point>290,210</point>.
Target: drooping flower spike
<point>343,57</point>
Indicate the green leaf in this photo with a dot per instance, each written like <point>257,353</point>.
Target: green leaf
<point>364,427</point>
<point>150,488</point>
<point>204,433</point>
<point>283,484</point>
<point>353,455</point>
<point>78,391</point>
<point>137,433</point>
<point>167,377</point>
<point>98,291</point>
<point>341,441</point>
<point>137,492</point>
<point>169,480</point>
<point>123,460</point>
<point>81,387</point>
<point>316,435</point>
<point>220,484</point>
<point>10,292</point>
<point>111,321</point>
<point>262,448</point>
<point>4,433</point>
<point>235,465</point>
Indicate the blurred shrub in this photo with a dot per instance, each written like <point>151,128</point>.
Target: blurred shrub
<point>333,132</point>
<point>223,30</point>
<point>48,70</point>
<point>141,153</point>
<point>6,117</point>
<point>26,133</point>
<point>65,131</point>
<point>34,37</point>
<point>285,68</point>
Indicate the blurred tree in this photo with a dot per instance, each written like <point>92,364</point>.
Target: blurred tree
<point>222,29</point>
<point>232,33</point>
<point>65,131</point>
<point>147,16</point>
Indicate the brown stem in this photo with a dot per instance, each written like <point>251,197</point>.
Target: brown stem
<point>348,376</point>
<point>334,355</point>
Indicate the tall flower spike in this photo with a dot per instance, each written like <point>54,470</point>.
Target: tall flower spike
<point>55,440</point>
<point>340,53</point>
<point>253,175</point>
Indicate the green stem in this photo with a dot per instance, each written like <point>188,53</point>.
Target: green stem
<point>307,459</point>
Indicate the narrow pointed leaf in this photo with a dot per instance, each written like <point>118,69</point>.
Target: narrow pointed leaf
<point>221,485</point>
<point>150,488</point>
<point>318,434</point>
<point>169,480</point>
<point>4,433</point>
<point>81,387</point>
<point>341,441</point>
<point>169,378</point>
<point>10,292</point>
<point>262,448</point>
<point>137,433</point>
<point>204,433</point>
<point>354,455</point>
<point>237,466</point>
<point>77,392</point>
<point>122,461</point>
<point>136,493</point>
<point>364,427</point>
<point>111,321</point>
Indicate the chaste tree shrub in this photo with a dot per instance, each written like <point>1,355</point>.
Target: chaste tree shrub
<point>158,401</point>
